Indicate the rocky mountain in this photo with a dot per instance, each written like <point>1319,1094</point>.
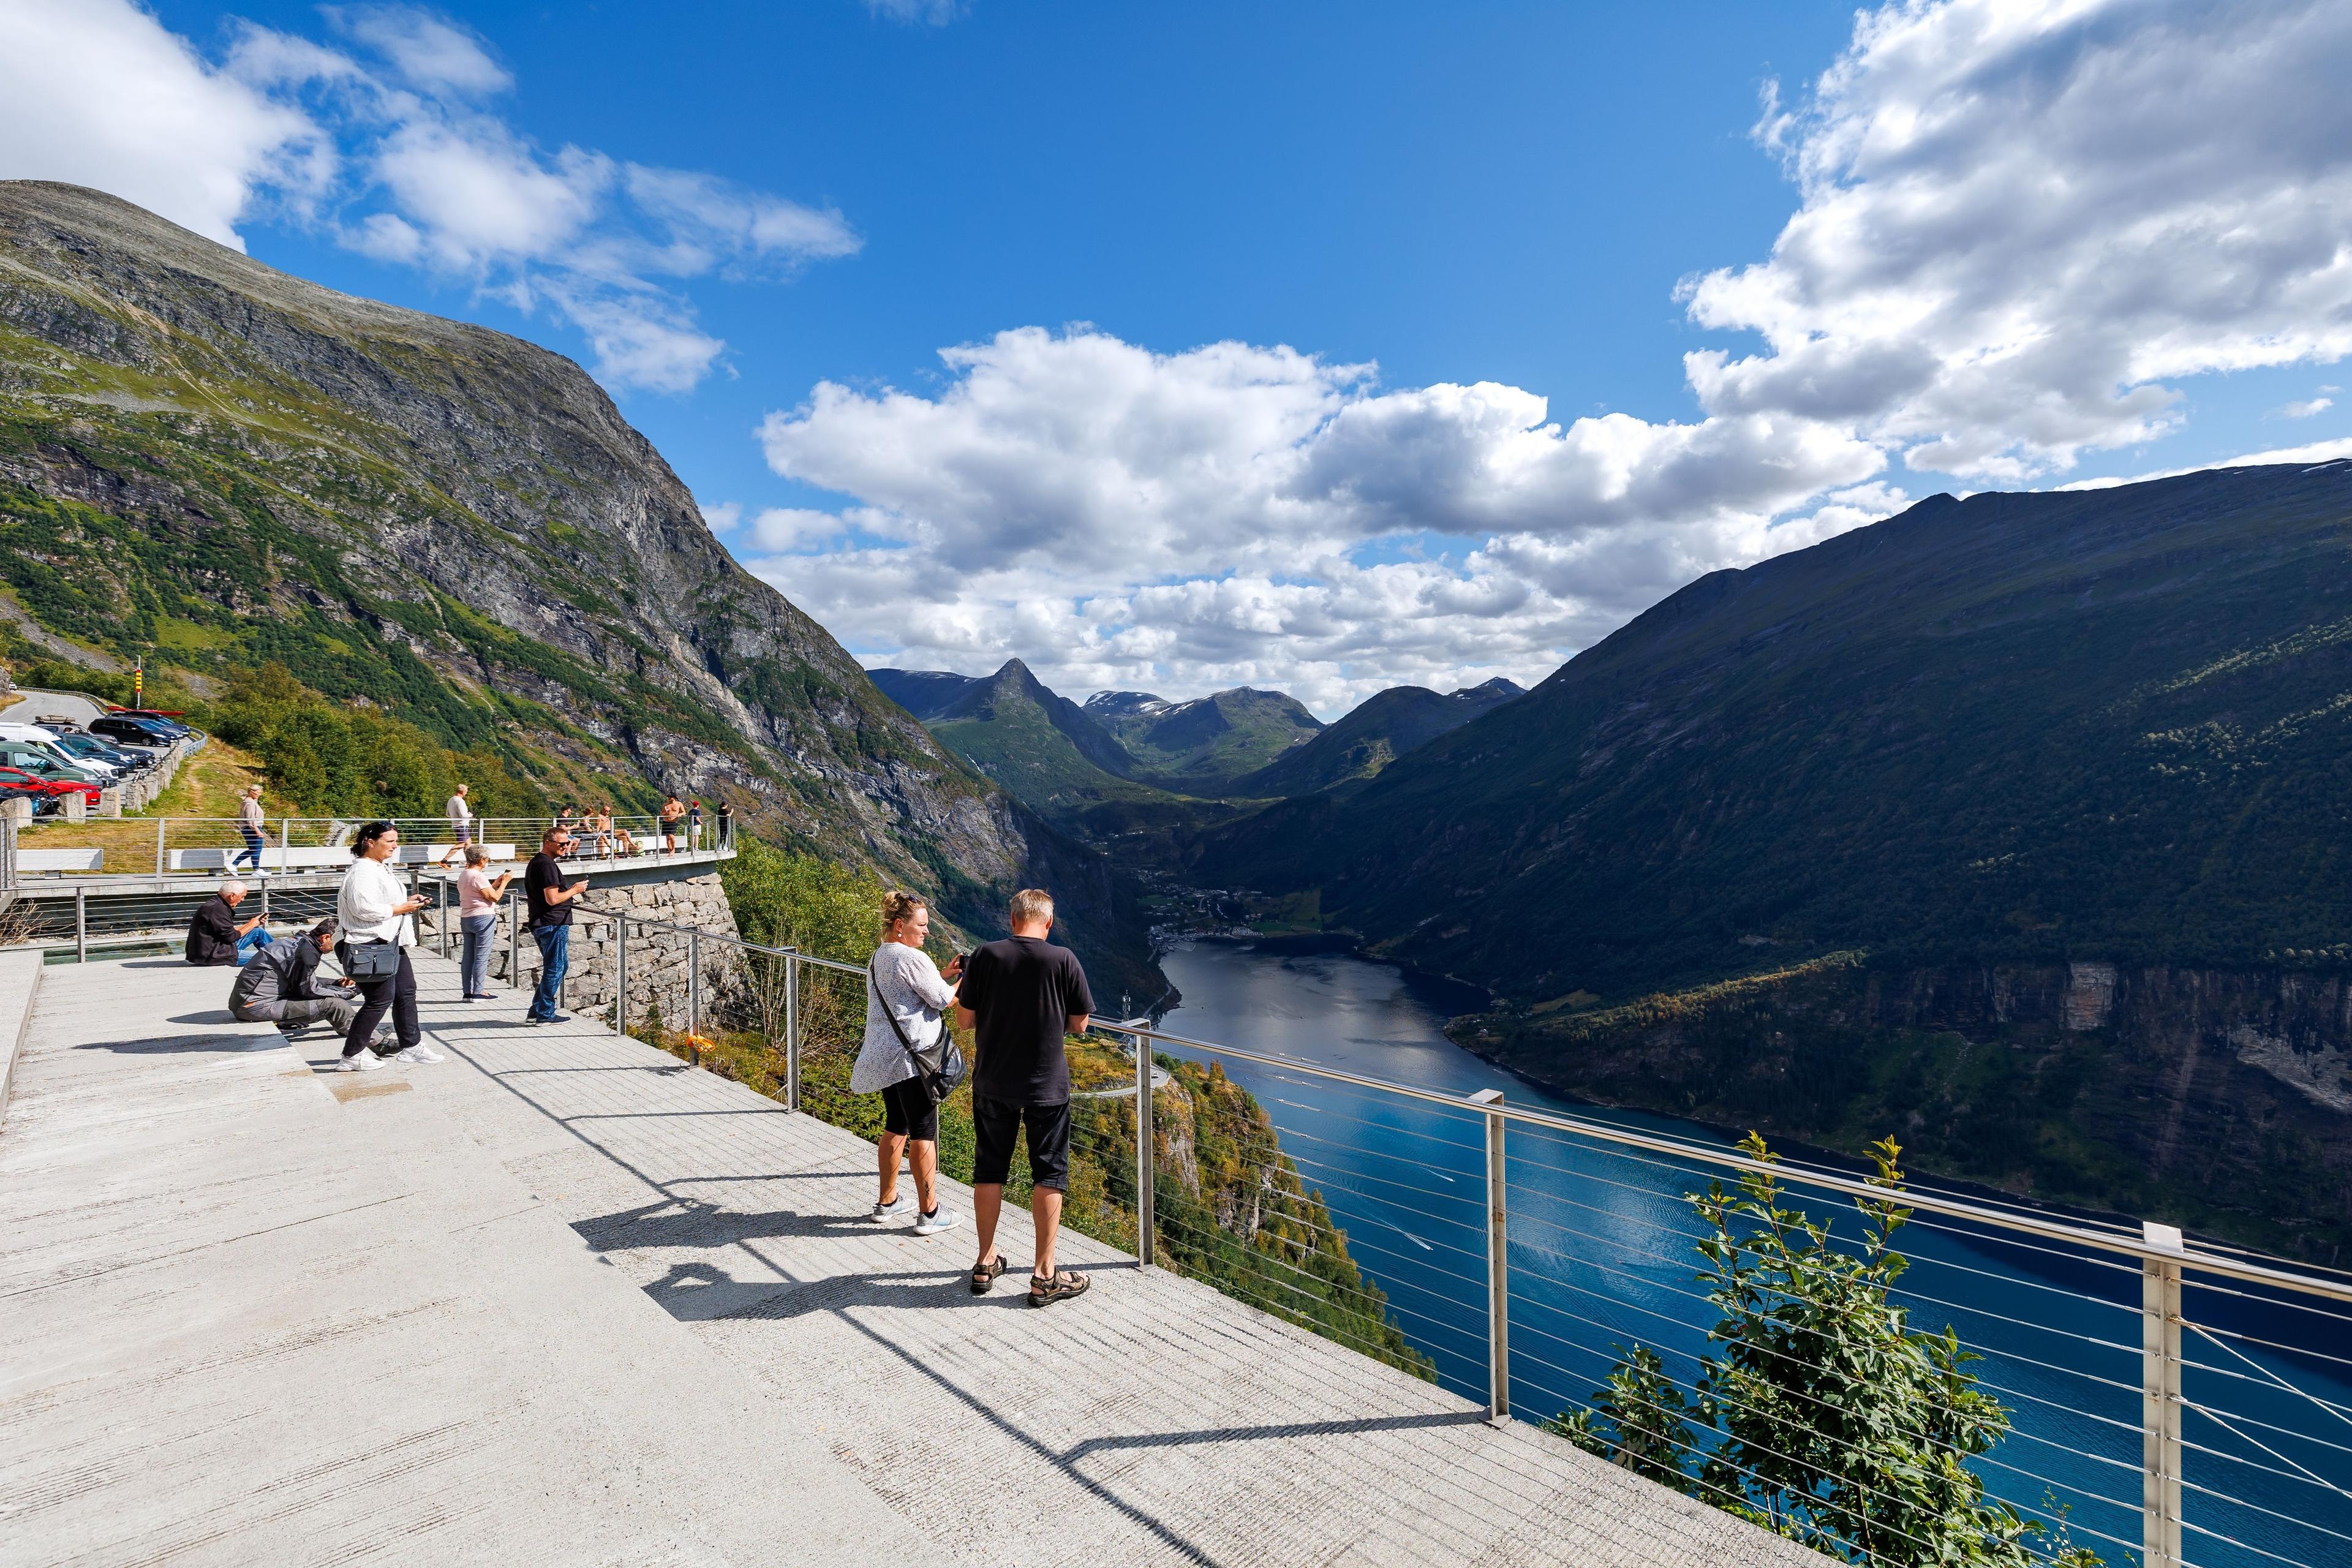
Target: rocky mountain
<point>1998,737</point>
<point>1376,732</point>
<point>1203,746</point>
<point>207,460</point>
<point>1039,745</point>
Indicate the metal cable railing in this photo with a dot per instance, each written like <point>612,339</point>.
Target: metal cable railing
<point>1518,1254</point>
<point>157,847</point>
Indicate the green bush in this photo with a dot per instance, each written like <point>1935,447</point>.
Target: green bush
<point>1826,1417</point>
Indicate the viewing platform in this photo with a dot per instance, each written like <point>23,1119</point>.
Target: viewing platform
<point>564,1299</point>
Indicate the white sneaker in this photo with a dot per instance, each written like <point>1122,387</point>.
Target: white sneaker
<point>891,1210</point>
<point>420,1052</point>
<point>362,1061</point>
<point>932,1224</point>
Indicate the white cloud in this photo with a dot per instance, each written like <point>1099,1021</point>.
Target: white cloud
<point>1061,497</point>
<point>97,92</point>
<point>2020,221</point>
<point>2019,227</point>
<point>938,12</point>
<point>2307,407</point>
<point>388,145</point>
<point>722,517</point>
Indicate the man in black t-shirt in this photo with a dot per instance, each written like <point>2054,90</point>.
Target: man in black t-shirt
<point>550,920</point>
<point>1020,996</point>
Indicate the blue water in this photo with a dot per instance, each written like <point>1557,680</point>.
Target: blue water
<point>1601,1257</point>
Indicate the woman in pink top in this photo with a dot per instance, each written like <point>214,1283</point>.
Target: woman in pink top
<point>478,893</point>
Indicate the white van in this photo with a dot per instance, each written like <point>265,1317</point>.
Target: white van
<point>33,737</point>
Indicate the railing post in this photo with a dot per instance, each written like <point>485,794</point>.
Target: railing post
<point>791,1029</point>
<point>81,925</point>
<point>285,845</point>
<point>1498,1265</point>
<point>514,943</point>
<point>694,985</point>
<point>264,879</point>
<point>440,913</point>
<point>2160,1401</point>
<point>620,976</point>
<point>1147,1209</point>
<point>159,822</point>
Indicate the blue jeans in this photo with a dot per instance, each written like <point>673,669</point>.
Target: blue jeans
<point>252,850</point>
<point>251,942</point>
<point>474,960</point>
<point>554,958</point>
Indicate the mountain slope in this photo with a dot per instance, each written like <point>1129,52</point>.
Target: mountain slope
<point>209,461</point>
<point>1035,743</point>
<point>1371,735</point>
<point>2013,828</point>
<point>1203,745</point>
<point>2106,724</point>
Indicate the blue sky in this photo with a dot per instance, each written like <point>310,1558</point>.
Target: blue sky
<point>1468,226</point>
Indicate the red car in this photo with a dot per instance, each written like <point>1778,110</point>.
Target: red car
<point>19,777</point>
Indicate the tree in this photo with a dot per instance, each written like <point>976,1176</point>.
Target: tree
<point>1833,1421</point>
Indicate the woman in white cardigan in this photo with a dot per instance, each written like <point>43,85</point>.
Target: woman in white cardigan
<point>372,908</point>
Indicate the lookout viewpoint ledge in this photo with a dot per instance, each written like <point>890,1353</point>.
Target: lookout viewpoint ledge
<point>566,1299</point>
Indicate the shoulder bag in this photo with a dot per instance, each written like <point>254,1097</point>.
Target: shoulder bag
<point>377,960</point>
<point>941,1065</point>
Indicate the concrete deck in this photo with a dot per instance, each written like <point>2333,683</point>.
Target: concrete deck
<point>561,1300</point>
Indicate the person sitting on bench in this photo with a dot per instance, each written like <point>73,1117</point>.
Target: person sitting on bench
<point>214,934</point>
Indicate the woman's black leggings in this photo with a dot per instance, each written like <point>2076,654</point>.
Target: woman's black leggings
<point>397,992</point>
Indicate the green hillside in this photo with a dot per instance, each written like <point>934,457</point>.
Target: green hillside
<point>1371,735</point>
<point>1204,746</point>
<point>215,466</point>
<point>2019,827</point>
<point>1019,733</point>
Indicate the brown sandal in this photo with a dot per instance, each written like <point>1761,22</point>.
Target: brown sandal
<point>1060,1287</point>
<point>984,1275</point>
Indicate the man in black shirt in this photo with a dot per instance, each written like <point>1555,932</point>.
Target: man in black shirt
<point>1020,996</point>
<point>550,920</point>
<point>214,934</point>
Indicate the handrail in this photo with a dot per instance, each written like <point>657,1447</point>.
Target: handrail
<point>2046,1228</point>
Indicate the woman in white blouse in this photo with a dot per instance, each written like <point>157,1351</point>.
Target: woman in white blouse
<point>904,980</point>
<point>372,908</point>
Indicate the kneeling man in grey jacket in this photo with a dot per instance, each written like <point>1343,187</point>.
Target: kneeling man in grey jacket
<point>279,985</point>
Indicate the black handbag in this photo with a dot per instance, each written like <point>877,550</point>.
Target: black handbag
<point>368,961</point>
<point>942,1067</point>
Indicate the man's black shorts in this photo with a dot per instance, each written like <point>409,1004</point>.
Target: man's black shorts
<point>908,1111</point>
<point>993,1123</point>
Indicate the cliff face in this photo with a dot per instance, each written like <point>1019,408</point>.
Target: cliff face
<point>2217,1099</point>
<point>206,460</point>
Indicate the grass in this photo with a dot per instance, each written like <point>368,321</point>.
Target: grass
<point>210,783</point>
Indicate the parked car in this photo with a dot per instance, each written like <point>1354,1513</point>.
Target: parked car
<point>47,784</point>
<point>80,745</point>
<point>40,764</point>
<point>32,738</point>
<point>132,731</point>
<point>46,801</point>
<point>57,723</point>
<point>176,726</point>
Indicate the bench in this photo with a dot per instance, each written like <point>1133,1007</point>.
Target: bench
<point>56,861</point>
<point>324,858</point>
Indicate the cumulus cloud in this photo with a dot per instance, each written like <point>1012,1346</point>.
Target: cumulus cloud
<point>97,92</point>
<point>385,138</point>
<point>2018,227</point>
<point>2020,222</point>
<point>1061,497</point>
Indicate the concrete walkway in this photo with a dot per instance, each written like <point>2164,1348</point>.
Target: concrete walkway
<point>564,1299</point>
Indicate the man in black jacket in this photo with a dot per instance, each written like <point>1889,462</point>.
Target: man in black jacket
<point>214,934</point>
<point>279,985</point>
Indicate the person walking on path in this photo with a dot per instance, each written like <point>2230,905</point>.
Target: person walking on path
<point>550,920</point>
<point>1021,995</point>
<point>250,822</point>
<point>214,936</point>
<point>673,812</point>
<point>478,893</point>
<point>280,987</point>
<point>461,825</point>
<point>905,982</point>
<point>373,909</point>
